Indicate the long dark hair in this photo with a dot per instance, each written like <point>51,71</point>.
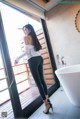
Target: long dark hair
<point>36,43</point>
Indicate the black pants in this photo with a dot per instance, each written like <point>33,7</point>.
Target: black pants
<point>36,68</point>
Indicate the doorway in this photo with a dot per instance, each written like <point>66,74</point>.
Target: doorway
<point>26,90</point>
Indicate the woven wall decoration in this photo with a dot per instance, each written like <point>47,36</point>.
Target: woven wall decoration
<point>77,21</point>
<point>46,1</point>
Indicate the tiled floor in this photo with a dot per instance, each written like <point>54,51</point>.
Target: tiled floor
<point>63,109</point>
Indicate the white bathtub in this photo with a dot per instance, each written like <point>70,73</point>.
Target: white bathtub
<point>69,78</point>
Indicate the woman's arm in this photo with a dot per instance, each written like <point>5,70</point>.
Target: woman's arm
<point>21,56</point>
<point>26,50</point>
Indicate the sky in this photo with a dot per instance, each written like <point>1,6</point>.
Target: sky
<point>13,20</point>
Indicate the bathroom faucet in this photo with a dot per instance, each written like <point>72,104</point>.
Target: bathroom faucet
<point>62,60</point>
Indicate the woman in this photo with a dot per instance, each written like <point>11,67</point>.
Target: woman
<point>35,60</point>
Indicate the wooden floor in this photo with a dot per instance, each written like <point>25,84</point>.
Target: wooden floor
<point>63,109</point>
<point>25,98</point>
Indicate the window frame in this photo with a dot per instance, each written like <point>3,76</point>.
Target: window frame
<point>18,112</point>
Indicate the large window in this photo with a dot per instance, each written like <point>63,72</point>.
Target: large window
<point>4,92</point>
<point>13,21</point>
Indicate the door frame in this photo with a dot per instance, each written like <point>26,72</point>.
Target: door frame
<point>27,111</point>
<point>9,72</point>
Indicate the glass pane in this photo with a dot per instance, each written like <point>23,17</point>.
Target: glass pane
<point>4,93</point>
<point>26,86</point>
<point>14,37</point>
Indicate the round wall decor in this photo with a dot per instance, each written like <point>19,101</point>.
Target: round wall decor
<point>77,21</point>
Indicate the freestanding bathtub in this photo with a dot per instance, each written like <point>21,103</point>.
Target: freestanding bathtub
<point>69,78</point>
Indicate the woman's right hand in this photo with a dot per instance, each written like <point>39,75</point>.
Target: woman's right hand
<point>15,62</point>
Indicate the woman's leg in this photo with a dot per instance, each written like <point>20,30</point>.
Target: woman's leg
<point>33,64</point>
<point>40,70</point>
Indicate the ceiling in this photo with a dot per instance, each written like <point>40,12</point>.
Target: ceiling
<point>45,6</point>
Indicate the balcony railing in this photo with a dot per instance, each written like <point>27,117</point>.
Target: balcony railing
<point>22,71</point>
<point>21,76</point>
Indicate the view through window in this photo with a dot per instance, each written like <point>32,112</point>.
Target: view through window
<point>13,20</point>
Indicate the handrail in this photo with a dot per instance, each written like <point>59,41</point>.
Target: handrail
<point>20,73</point>
<point>16,83</point>
<point>15,65</point>
<point>19,64</point>
<point>3,78</point>
<point>16,74</point>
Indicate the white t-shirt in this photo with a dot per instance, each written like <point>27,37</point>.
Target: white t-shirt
<point>30,52</point>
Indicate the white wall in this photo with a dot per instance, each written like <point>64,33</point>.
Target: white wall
<point>64,37</point>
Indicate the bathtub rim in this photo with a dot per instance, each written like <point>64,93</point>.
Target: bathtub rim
<point>59,71</point>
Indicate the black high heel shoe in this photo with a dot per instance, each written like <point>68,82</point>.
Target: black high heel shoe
<point>50,106</point>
